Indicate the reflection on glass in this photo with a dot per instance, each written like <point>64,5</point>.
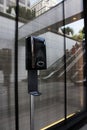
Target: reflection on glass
<point>7,107</point>
<point>22,1</point>
<point>75,78</point>
<point>6,63</point>
<point>50,104</point>
<point>49,107</point>
<point>1,1</point>
<point>74,66</point>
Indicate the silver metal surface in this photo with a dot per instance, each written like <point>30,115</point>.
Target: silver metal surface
<point>31,112</point>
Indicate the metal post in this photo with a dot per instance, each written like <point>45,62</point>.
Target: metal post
<point>65,81</point>
<point>85,55</point>
<point>16,67</point>
<point>31,112</point>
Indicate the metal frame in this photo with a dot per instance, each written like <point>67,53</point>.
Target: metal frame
<point>65,80</point>
<point>16,67</point>
<point>85,57</point>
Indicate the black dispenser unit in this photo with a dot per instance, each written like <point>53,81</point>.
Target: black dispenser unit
<point>35,60</point>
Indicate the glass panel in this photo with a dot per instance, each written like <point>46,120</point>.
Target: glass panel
<point>1,9</point>
<point>7,106</point>
<point>1,1</point>
<point>49,107</point>
<point>22,1</point>
<point>24,97</point>
<point>74,30</point>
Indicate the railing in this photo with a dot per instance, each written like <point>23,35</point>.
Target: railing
<point>58,67</point>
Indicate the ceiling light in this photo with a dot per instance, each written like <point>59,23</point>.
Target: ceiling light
<point>74,18</point>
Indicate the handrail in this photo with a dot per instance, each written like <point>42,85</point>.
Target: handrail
<point>68,62</point>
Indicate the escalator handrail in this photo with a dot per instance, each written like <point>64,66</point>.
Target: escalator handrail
<point>68,60</point>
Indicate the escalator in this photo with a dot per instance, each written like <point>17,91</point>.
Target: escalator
<point>56,71</point>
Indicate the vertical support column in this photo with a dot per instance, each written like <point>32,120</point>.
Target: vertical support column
<point>31,112</point>
<point>16,67</point>
<point>65,81</point>
<point>85,55</point>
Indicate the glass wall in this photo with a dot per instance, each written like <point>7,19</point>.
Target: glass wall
<point>74,29</point>
<point>1,1</point>
<point>49,106</point>
<point>7,105</point>
<point>24,97</point>
<point>22,1</point>
<point>61,84</point>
